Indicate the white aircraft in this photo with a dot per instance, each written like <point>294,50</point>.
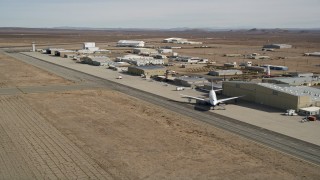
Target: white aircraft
<point>212,100</point>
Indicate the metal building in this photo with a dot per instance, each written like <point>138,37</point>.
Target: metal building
<point>129,43</point>
<point>147,71</point>
<point>282,97</point>
<point>229,72</point>
<point>189,81</point>
<point>90,46</point>
<point>96,60</point>
<point>277,46</point>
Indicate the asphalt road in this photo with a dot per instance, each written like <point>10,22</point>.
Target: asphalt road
<point>300,149</point>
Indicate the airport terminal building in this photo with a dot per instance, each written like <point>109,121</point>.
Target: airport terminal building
<point>278,96</point>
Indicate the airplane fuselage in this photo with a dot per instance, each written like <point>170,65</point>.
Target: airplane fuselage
<point>213,98</point>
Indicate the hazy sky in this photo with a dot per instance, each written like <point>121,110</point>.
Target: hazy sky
<point>161,13</point>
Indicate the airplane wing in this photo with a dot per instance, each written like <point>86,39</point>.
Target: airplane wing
<point>216,90</point>
<point>192,97</point>
<point>227,99</point>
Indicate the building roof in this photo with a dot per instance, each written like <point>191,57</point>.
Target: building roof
<point>191,78</point>
<point>149,67</point>
<point>314,93</point>
<point>228,70</point>
<point>130,41</point>
<point>310,109</point>
<point>290,80</point>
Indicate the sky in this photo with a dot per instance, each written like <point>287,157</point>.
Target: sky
<point>160,13</point>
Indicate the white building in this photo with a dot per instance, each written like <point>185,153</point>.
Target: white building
<point>90,46</point>
<point>140,60</point>
<point>174,40</point>
<point>129,43</point>
<point>188,59</point>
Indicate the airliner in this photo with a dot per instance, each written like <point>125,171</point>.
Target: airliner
<point>212,100</point>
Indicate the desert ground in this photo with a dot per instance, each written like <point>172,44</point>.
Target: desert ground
<point>104,134</point>
<point>220,43</point>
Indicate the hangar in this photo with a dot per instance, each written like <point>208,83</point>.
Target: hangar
<point>130,43</point>
<point>278,96</point>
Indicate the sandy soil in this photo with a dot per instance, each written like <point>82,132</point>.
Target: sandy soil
<point>129,138</point>
<point>238,42</point>
<point>15,73</point>
<point>132,139</point>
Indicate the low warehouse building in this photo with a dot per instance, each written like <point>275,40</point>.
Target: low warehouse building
<point>277,46</point>
<point>96,60</point>
<point>188,81</point>
<point>229,72</point>
<point>282,97</point>
<point>145,51</point>
<point>129,43</point>
<point>147,71</point>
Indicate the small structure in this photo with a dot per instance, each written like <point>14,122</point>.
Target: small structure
<point>165,51</point>
<point>51,51</point>
<point>130,43</point>
<point>275,67</point>
<point>309,111</point>
<point>229,72</point>
<point>179,41</point>
<point>232,55</point>
<point>267,49</point>
<point>90,46</point>
<point>232,65</point>
<point>147,71</point>
<point>277,46</point>
<point>313,54</point>
<point>188,59</point>
<point>174,40</point>
<point>301,74</point>
<point>62,53</point>
<point>256,68</point>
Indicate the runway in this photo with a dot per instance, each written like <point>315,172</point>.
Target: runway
<point>285,144</point>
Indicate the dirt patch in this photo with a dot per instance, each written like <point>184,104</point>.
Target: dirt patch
<point>133,139</point>
<point>16,73</point>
